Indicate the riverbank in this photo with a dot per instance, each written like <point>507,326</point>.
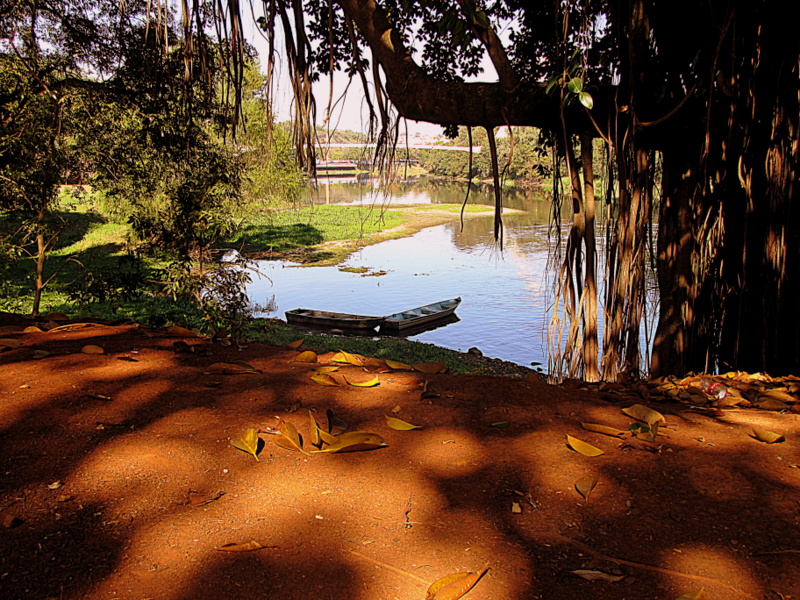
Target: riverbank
<point>413,218</point>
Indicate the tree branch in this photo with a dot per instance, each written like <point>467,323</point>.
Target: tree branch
<point>422,97</point>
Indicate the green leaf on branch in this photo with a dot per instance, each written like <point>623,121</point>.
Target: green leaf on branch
<point>585,98</point>
<point>575,85</point>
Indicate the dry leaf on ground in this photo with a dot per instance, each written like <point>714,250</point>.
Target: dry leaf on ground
<point>92,349</point>
<point>346,357</point>
<point>400,425</point>
<point>324,379</point>
<point>582,447</point>
<point>585,485</point>
<point>398,366</point>
<point>452,587</point>
<point>221,368</point>
<point>644,414</point>
<point>335,424</point>
<point>245,547</point>
<point>371,383</point>
<point>604,429</point>
<point>296,344</point>
<point>309,356</point>
<point>768,437</point>
<point>289,439</point>
<point>250,443</point>
<point>591,575</point>
<point>354,441</point>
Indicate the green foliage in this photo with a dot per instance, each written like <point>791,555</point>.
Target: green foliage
<point>157,157</point>
<point>224,300</point>
<point>271,172</point>
<point>529,164</point>
<point>124,279</point>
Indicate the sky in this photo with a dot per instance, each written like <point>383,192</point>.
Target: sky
<point>348,113</point>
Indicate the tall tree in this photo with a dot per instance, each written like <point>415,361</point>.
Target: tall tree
<point>704,94</point>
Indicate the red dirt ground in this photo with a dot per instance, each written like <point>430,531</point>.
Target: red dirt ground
<point>99,454</point>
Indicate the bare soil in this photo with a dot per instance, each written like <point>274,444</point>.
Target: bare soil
<point>118,479</point>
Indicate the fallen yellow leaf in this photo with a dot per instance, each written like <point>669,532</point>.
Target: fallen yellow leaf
<point>355,440</point>
<point>582,447</point>
<point>249,443</point>
<point>399,424</point>
<point>289,439</point>
<point>324,379</point>
<point>454,588</point>
<point>308,356</point>
<point>644,414</point>
<point>398,366</point>
<point>768,437</point>
<point>604,429</point>
<point>346,357</point>
<point>295,344</point>
<point>371,383</point>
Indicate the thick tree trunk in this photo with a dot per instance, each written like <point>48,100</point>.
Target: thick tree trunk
<point>674,347</point>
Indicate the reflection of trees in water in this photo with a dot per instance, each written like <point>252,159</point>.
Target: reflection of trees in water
<point>524,235</point>
<point>423,190</point>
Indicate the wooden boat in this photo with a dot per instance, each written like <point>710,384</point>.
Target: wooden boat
<point>419,317</point>
<point>331,320</point>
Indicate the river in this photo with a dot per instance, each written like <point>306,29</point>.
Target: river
<point>506,295</point>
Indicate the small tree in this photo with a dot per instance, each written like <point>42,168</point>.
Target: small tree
<point>32,159</point>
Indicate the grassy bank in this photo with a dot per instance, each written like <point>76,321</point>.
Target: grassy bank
<point>95,271</point>
<point>277,333</point>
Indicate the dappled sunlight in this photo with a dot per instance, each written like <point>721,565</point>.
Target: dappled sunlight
<point>447,452</point>
<point>152,483</point>
<point>714,568</point>
<point>130,476</point>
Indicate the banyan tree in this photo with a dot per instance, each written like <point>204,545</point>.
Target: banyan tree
<point>695,107</point>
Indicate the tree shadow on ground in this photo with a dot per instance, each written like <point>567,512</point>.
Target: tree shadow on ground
<point>128,440</point>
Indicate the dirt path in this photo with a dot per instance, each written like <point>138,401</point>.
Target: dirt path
<point>118,479</point>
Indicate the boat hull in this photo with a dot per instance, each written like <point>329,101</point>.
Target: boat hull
<point>420,317</point>
<point>332,320</point>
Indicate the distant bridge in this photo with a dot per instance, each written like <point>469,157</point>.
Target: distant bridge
<point>475,149</point>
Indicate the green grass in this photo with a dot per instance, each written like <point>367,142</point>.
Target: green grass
<point>276,333</point>
<point>279,230</point>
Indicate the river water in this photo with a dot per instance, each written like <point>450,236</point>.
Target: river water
<point>506,295</point>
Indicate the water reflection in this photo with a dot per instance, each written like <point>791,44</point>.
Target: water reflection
<point>505,294</point>
<point>424,190</point>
